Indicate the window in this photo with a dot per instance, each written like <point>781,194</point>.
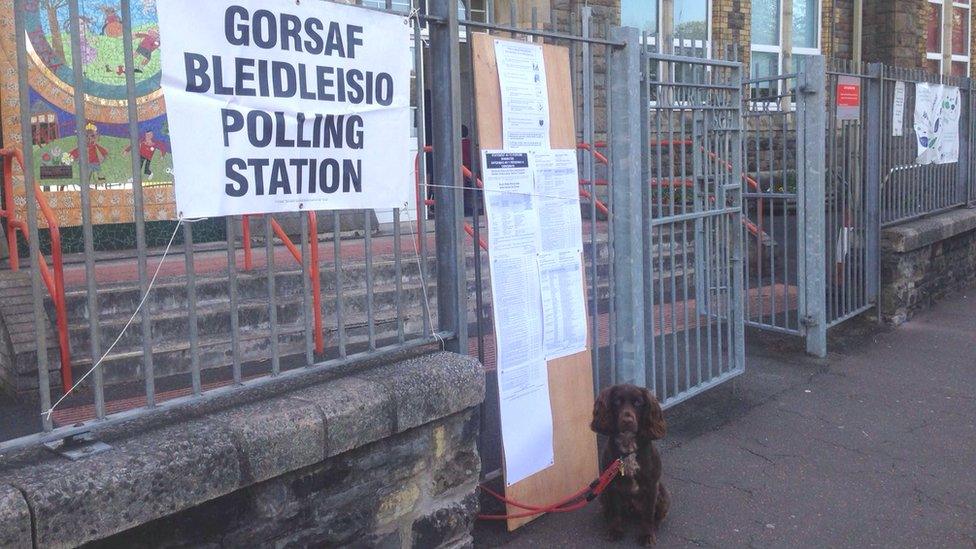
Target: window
<point>955,22</point>
<point>960,38</point>
<point>691,23</point>
<point>769,34</point>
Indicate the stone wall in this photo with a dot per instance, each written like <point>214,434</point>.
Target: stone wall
<point>380,457</point>
<point>924,261</point>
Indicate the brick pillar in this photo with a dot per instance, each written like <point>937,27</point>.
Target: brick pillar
<point>894,32</point>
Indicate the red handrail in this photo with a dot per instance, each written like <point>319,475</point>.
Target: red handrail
<point>465,172</point>
<point>313,243</point>
<point>55,282</point>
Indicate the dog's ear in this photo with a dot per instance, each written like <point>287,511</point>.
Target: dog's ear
<point>603,420</point>
<point>652,422</point>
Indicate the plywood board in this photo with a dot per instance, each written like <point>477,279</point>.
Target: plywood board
<point>570,378</point>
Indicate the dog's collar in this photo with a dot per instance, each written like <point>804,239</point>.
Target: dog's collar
<point>629,466</point>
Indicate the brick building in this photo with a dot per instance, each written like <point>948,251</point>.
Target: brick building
<point>934,35</point>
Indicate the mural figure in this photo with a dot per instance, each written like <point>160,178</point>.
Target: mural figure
<point>147,151</point>
<point>113,23</point>
<point>96,153</point>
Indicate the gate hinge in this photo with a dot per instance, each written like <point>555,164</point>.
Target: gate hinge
<point>809,321</point>
<point>807,90</point>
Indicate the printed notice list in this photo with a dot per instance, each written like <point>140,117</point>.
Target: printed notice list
<point>523,380</point>
<point>535,246</point>
<point>525,95</point>
<point>278,106</point>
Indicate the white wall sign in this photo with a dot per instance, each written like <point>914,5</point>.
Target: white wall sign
<point>898,110</point>
<point>937,110</point>
<point>276,106</point>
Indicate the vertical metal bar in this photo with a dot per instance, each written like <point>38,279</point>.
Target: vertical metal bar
<point>94,312</point>
<point>812,88</point>
<point>645,150</point>
<point>962,173</point>
<point>628,226</point>
<point>872,182</point>
<point>145,316</point>
<point>368,249</point>
<point>235,323</point>
<point>479,280</point>
<point>446,121</point>
<point>586,13</point>
<point>269,248</point>
<point>612,319</point>
<point>398,268</point>
<point>737,297</point>
<point>418,46</point>
<point>340,299</point>
<point>307,271</point>
<point>37,289</point>
<point>191,288</point>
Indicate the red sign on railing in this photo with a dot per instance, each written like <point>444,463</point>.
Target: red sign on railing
<point>848,98</point>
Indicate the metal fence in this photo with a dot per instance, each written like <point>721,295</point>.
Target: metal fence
<point>746,202</point>
<point>223,317</point>
<point>910,190</point>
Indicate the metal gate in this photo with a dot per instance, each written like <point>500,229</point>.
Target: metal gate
<point>689,291</point>
<point>812,219</point>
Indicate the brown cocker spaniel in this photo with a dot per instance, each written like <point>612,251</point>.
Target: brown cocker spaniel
<point>632,420</point>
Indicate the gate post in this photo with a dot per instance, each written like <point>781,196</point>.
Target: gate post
<point>445,115</point>
<point>811,204</point>
<point>874,128</point>
<point>965,145</point>
<point>631,209</point>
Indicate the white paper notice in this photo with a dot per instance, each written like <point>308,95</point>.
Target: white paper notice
<point>526,418</point>
<point>563,303</point>
<point>523,376</point>
<point>557,196</point>
<point>525,95</point>
<point>518,311</point>
<point>898,110</point>
<point>509,202</point>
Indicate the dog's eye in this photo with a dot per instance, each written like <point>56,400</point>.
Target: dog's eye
<point>617,402</point>
<point>638,402</point>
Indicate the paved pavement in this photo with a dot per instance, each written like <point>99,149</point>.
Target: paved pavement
<point>873,447</point>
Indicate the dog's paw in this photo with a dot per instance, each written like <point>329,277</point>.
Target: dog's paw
<point>647,540</point>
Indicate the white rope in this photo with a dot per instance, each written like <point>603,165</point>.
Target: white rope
<point>125,328</point>
<point>423,279</point>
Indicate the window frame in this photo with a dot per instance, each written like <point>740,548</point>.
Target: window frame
<point>679,43</point>
<point>961,58</point>
<point>780,49</point>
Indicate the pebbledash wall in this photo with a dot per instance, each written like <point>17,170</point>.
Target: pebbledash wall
<point>383,456</point>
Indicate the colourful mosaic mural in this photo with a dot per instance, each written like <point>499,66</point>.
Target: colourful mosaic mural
<point>106,135</point>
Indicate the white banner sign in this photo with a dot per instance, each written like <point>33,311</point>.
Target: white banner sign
<point>278,106</point>
<point>937,110</point>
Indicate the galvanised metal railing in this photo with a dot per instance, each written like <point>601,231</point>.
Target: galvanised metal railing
<point>910,190</point>
<point>209,329</point>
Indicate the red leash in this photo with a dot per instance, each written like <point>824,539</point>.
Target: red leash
<point>572,503</point>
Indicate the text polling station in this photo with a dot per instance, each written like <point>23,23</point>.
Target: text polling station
<point>278,106</point>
